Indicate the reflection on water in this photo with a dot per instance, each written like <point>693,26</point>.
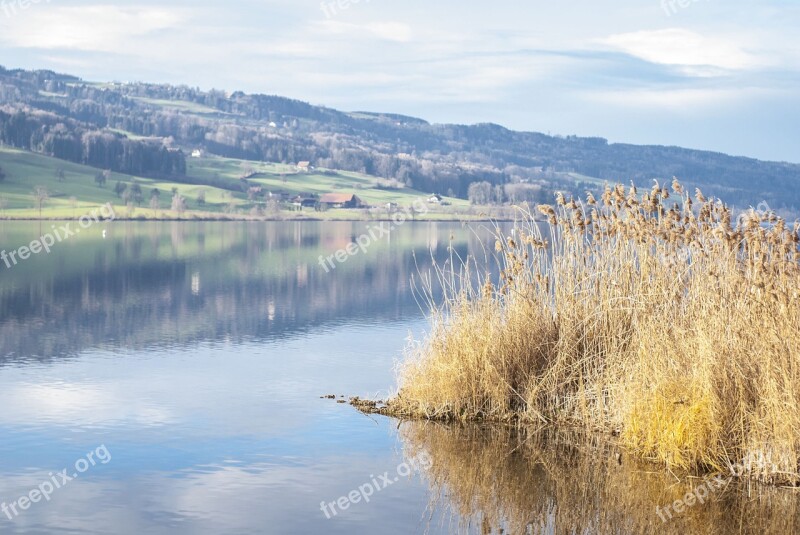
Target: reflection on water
<point>155,284</point>
<point>509,480</point>
<point>197,354</point>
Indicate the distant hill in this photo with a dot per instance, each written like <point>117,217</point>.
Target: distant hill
<point>149,130</point>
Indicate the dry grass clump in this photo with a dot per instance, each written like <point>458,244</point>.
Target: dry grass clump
<point>672,325</point>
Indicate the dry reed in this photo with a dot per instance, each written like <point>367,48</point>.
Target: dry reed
<point>667,323</point>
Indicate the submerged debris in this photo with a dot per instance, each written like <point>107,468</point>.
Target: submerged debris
<point>368,406</point>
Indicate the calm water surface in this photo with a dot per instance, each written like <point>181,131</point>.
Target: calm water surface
<point>195,354</point>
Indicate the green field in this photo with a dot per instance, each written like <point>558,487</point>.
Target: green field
<point>286,178</point>
<point>78,192</point>
<point>180,105</point>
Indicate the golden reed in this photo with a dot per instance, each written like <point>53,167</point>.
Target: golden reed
<point>667,323</point>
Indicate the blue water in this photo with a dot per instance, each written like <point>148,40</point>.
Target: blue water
<point>175,373</point>
<point>197,355</point>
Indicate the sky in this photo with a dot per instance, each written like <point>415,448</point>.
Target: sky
<point>720,75</point>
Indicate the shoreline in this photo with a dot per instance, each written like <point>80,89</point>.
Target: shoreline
<point>269,220</point>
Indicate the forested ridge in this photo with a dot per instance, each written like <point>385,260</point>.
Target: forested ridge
<point>149,130</point>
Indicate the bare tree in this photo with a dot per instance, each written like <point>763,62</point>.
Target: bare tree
<point>40,197</point>
<point>480,193</point>
<point>499,194</point>
<point>154,204</point>
<point>178,204</point>
<point>273,209</point>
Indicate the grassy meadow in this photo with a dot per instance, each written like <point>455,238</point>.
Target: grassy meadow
<point>286,178</point>
<point>659,319</point>
<point>78,192</point>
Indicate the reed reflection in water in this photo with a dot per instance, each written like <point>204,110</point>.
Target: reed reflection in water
<point>493,480</point>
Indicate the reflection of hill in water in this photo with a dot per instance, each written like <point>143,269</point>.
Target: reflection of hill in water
<point>173,284</point>
<point>493,478</point>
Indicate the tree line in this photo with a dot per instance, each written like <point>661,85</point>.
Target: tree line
<point>69,140</point>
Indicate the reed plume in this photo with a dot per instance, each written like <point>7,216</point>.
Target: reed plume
<point>669,323</point>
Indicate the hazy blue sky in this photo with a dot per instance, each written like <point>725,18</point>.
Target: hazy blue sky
<point>714,74</point>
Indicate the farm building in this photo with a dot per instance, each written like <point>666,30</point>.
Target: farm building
<point>340,200</point>
<point>301,202</point>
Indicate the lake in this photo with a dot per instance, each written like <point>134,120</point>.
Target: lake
<point>171,378</point>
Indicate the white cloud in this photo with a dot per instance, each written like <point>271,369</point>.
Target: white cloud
<point>102,28</point>
<point>680,47</point>
<point>675,99</point>
<point>388,31</point>
<point>392,31</point>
